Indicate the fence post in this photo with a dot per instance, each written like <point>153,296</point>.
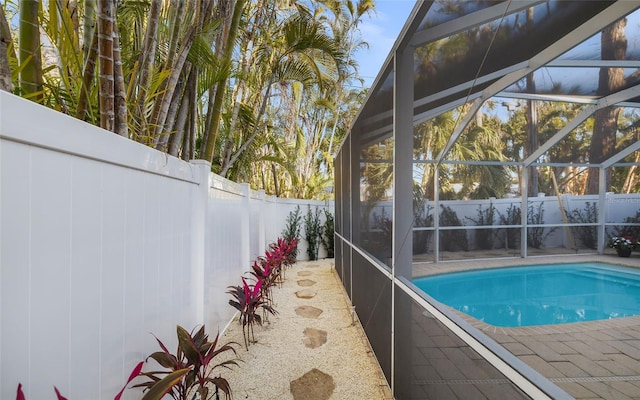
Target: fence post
<point>602,208</point>
<point>199,206</point>
<point>245,226</point>
<point>262,234</point>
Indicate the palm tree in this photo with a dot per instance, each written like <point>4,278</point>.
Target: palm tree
<point>6,47</point>
<point>168,74</point>
<point>216,110</point>
<point>29,53</point>
<point>106,21</point>
<point>481,141</point>
<point>613,47</point>
<point>300,51</point>
<point>145,64</point>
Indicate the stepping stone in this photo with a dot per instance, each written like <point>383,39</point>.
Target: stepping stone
<point>314,338</point>
<point>308,311</point>
<point>313,265</point>
<point>306,294</point>
<point>314,385</point>
<point>306,282</point>
<point>304,273</point>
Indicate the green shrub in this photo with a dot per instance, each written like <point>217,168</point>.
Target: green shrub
<point>328,231</point>
<point>588,235</point>
<point>537,235</point>
<point>484,238</point>
<point>312,232</point>
<point>628,230</point>
<point>513,216</point>
<point>452,240</point>
<point>291,230</point>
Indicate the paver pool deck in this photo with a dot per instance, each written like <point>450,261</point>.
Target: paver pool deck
<point>588,360</point>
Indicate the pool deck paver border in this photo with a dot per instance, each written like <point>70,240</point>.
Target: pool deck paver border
<point>589,360</point>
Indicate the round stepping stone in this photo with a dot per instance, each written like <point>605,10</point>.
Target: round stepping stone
<point>314,385</point>
<point>304,273</point>
<point>313,265</point>
<point>314,338</point>
<point>306,282</point>
<point>306,294</point>
<point>308,311</point>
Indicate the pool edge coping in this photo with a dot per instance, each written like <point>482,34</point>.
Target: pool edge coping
<point>572,327</point>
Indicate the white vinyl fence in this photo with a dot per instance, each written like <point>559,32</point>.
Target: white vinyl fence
<point>617,208</point>
<point>104,242</point>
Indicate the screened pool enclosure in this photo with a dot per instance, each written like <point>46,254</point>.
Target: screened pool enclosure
<point>496,129</point>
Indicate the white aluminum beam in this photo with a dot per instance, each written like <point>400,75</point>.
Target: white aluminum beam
<point>610,100</point>
<point>470,20</point>
<point>598,22</point>
<point>460,128</point>
<point>621,155</point>
<point>595,64</point>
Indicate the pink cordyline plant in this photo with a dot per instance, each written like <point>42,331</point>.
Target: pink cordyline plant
<point>266,272</point>
<point>248,299</point>
<point>20,394</point>
<point>190,373</point>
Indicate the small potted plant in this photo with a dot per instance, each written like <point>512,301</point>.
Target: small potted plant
<point>623,245</point>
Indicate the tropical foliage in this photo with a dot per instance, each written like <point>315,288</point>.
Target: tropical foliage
<point>312,232</point>
<point>291,231</point>
<point>251,297</point>
<point>266,90</point>
<point>248,299</point>
<point>327,231</point>
<point>262,90</point>
<point>190,372</point>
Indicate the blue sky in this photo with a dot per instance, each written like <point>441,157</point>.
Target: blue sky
<point>380,30</point>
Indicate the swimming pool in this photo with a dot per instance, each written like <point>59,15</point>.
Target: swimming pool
<point>539,294</point>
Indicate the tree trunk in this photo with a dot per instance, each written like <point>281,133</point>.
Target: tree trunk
<point>632,179</point>
<point>5,45</point>
<point>121,123</point>
<point>239,91</point>
<point>254,133</point>
<point>189,143</point>
<point>161,108</point>
<point>29,51</point>
<point>177,137</point>
<point>147,58</point>
<point>532,123</point>
<point>105,52</point>
<point>222,13</point>
<point>275,179</point>
<point>179,97</point>
<point>88,74</point>
<point>532,137</point>
<point>158,129</point>
<point>614,47</point>
<point>89,27</point>
<point>210,137</point>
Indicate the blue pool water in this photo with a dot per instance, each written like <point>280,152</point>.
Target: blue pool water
<point>539,294</point>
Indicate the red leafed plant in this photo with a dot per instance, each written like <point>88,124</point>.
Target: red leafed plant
<point>266,271</point>
<point>20,393</point>
<point>248,299</point>
<point>190,371</point>
<point>263,270</point>
<point>282,254</point>
<point>136,371</point>
<point>288,249</point>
